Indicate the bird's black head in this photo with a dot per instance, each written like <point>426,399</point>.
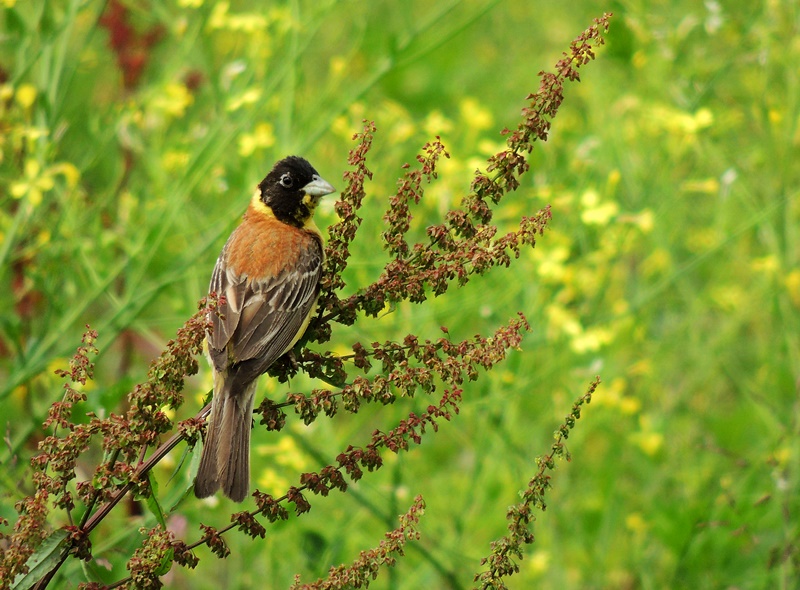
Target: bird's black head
<point>292,190</point>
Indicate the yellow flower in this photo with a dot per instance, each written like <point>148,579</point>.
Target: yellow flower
<point>782,457</point>
<point>43,237</point>
<point>69,171</point>
<point>539,562</point>
<point>703,118</point>
<point>610,393</point>
<point>590,198</point>
<point>552,263</point>
<point>703,239</point>
<point>591,340</point>
<point>248,97</point>
<point>247,22</point>
<point>33,186</point>
<point>635,522</point>
<point>645,220</point>
<point>490,147</point>
<point>437,124</point>
<point>174,160</point>
<point>600,215</point>
<point>219,15</point>
<point>706,186</point>
<point>643,367</point>
<point>220,18</point>
<point>596,212</point>
<point>620,307</point>
<point>262,137</point>
<point>792,282</point>
<point>474,115</point>
<point>766,264</point>
<point>728,297</point>
<point>681,123</point>
<point>174,101</point>
<point>657,263</point>
<point>630,405</point>
<point>341,127</point>
<point>562,321</point>
<point>613,180</point>
<point>25,95</point>
<point>271,482</point>
<point>285,453</point>
<point>401,131</point>
<point>649,441</point>
<point>639,59</point>
<point>337,66</point>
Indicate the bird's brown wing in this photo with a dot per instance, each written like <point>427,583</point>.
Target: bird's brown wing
<point>262,318</point>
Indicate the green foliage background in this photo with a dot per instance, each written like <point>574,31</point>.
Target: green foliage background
<point>670,269</point>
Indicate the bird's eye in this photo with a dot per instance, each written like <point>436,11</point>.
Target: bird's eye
<point>286,181</point>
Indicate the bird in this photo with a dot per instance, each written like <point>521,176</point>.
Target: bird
<point>268,272</point>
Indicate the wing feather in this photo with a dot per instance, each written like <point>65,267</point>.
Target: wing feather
<point>262,318</point>
<point>233,287</point>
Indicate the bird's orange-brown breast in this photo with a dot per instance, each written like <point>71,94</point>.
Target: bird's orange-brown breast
<point>263,246</point>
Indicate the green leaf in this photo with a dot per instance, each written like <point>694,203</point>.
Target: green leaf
<point>152,501</point>
<point>166,562</point>
<point>45,558</point>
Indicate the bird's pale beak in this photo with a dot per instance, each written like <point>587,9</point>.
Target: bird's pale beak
<point>318,187</point>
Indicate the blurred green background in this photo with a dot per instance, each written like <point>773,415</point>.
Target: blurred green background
<point>670,267</point>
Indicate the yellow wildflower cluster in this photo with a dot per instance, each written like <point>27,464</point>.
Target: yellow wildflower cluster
<point>287,458</point>
<point>37,177</point>
<point>167,102</point>
<point>261,138</point>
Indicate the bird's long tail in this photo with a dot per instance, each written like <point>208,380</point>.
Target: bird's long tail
<point>225,461</point>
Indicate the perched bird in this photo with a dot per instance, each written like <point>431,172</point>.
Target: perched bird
<point>269,272</point>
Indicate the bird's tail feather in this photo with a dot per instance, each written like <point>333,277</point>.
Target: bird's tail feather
<point>225,461</point>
